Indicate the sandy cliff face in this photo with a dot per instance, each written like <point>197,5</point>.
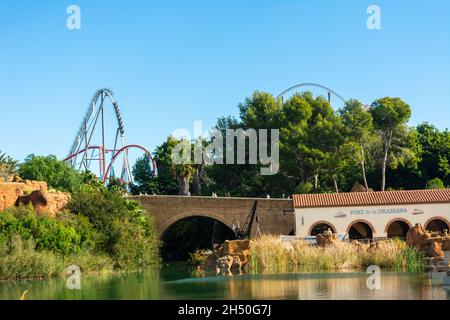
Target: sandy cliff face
<point>34,192</point>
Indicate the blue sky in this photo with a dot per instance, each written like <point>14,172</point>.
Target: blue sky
<point>170,63</point>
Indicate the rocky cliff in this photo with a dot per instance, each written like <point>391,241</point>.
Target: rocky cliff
<point>14,193</point>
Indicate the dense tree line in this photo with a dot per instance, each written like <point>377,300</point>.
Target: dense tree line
<point>321,150</point>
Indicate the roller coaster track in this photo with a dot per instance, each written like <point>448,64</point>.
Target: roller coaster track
<point>310,84</point>
<point>84,151</point>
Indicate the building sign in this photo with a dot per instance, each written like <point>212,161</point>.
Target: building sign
<point>379,211</point>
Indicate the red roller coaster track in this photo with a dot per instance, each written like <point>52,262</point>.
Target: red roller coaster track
<point>94,121</point>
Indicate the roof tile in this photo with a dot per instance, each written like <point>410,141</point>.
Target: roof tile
<point>371,198</point>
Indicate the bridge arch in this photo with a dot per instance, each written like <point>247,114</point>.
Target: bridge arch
<point>170,222</point>
<point>187,233</point>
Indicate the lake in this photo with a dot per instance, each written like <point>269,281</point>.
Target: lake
<point>180,281</point>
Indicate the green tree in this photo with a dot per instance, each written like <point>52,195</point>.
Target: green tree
<point>435,183</point>
<point>233,179</point>
<point>144,180</point>
<point>173,176</point>
<point>310,141</point>
<point>390,116</point>
<point>359,134</point>
<point>58,174</point>
<point>434,151</point>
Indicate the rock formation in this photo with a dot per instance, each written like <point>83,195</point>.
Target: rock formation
<point>432,244</point>
<point>328,238</point>
<point>232,254</point>
<point>239,248</point>
<point>228,262</point>
<point>225,263</point>
<point>34,192</point>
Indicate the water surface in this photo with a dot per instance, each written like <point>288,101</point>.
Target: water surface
<point>179,281</point>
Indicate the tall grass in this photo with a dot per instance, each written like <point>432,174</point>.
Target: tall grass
<point>19,259</point>
<point>270,254</point>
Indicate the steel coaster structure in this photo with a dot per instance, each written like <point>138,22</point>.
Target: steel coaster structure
<point>329,91</point>
<point>87,151</point>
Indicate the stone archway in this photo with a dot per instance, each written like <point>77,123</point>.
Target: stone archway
<point>397,228</point>
<point>437,224</point>
<point>169,222</point>
<point>190,233</point>
<point>320,227</point>
<point>360,230</point>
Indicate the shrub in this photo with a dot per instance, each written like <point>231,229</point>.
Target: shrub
<point>63,236</point>
<point>435,183</point>
<point>198,257</point>
<point>58,174</point>
<point>126,232</point>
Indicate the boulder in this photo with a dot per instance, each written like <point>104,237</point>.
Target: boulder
<point>435,250</point>
<point>432,244</point>
<point>45,202</point>
<point>415,236</point>
<point>239,248</point>
<point>445,244</point>
<point>225,262</point>
<point>328,238</point>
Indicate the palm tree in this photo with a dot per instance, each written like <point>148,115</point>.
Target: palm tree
<point>7,166</point>
<point>183,172</point>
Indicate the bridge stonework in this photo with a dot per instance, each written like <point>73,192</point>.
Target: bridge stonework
<point>276,216</point>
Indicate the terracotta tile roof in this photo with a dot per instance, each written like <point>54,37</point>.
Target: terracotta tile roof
<point>371,198</point>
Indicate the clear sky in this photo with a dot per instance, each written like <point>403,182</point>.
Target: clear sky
<point>170,63</point>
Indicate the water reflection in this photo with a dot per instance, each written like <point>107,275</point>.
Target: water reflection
<point>177,282</point>
<point>394,286</point>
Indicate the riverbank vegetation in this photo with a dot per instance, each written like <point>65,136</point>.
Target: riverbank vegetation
<point>100,230</point>
<point>270,254</point>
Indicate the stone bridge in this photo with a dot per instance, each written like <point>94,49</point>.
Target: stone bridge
<point>276,216</point>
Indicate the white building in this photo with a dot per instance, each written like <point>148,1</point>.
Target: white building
<point>366,215</point>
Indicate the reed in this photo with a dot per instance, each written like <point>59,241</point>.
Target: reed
<point>270,254</point>
<point>21,260</point>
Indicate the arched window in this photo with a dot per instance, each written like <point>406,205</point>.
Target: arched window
<point>397,229</point>
<point>320,227</point>
<point>360,230</point>
<point>437,224</point>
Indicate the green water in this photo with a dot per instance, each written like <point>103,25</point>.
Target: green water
<point>179,281</point>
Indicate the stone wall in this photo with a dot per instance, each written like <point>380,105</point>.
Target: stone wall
<point>275,215</point>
